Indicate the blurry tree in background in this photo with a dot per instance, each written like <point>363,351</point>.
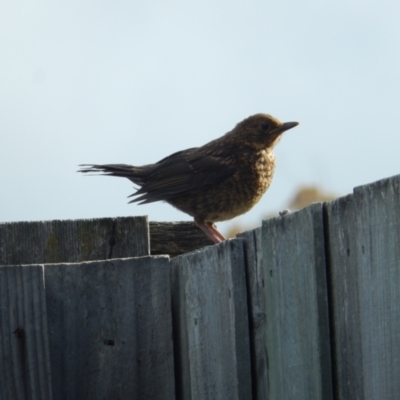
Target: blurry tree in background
<point>307,195</point>
<point>304,196</point>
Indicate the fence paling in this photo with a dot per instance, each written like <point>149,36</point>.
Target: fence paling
<point>297,338</point>
<point>106,333</point>
<point>42,242</point>
<point>210,302</point>
<point>255,280</point>
<point>24,348</point>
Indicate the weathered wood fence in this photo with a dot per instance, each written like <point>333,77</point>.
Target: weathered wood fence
<point>306,307</point>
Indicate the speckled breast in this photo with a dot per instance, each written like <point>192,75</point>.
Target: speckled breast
<point>235,195</point>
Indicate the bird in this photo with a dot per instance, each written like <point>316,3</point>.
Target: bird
<point>215,182</point>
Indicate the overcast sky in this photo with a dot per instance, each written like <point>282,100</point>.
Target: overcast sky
<point>131,82</point>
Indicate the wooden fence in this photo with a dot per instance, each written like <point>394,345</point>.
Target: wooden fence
<point>305,307</point>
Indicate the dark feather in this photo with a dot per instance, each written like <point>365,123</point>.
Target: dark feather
<point>184,172</point>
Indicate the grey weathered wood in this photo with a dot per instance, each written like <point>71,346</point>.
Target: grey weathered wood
<point>364,232</point>
<point>343,277</point>
<point>175,238</point>
<point>110,329</point>
<point>298,348</point>
<point>73,240</point>
<point>257,311</point>
<point>24,346</point>
<point>211,323</point>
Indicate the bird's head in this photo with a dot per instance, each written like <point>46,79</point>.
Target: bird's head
<point>261,131</point>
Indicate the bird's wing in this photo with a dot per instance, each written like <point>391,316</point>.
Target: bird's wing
<point>185,172</point>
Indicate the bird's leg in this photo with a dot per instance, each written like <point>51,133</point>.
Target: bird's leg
<point>211,231</point>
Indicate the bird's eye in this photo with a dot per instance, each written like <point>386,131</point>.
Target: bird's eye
<point>264,126</point>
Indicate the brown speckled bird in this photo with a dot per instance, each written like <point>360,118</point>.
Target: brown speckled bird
<point>216,182</point>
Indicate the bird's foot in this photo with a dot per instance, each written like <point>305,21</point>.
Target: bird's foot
<point>211,231</point>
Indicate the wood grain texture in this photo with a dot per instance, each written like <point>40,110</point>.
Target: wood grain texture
<point>24,345</point>
<point>257,312</point>
<point>344,282</point>
<point>175,238</point>
<point>211,323</point>
<point>73,240</point>
<point>298,348</point>
<point>364,231</point>
<point>110,329</point>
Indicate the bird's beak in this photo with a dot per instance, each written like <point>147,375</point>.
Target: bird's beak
<point>284,127</point>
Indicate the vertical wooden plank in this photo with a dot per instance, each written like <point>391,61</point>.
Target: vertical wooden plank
<point>110,329</point>
<point>257,312</point>
<point>73,240</point>
<point>378,207</point>
<point>344,284</point>
<point>211,335</point>
<point>24,346</point>
<point>365,248</point>
<point>298,348</point>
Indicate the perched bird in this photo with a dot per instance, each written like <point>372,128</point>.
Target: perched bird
<point>215,182</point>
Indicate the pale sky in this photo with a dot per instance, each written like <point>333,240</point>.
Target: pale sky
<point>132,82</point>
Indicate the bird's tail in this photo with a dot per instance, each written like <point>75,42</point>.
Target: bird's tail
<point>134,174</point>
